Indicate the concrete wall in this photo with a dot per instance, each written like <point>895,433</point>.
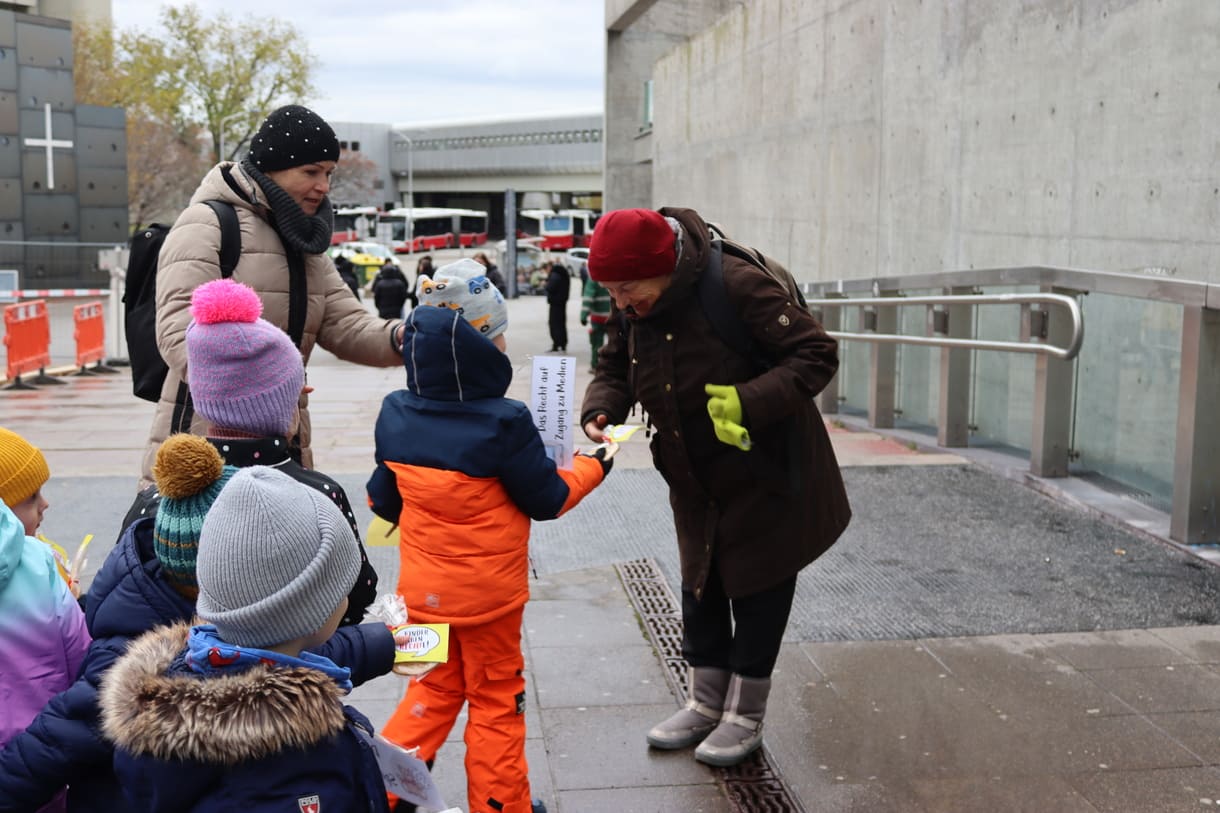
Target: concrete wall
<point>854,138</point>
<point>639,32</point>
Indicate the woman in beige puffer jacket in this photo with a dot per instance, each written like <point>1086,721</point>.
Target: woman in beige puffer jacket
<point>280,194</point>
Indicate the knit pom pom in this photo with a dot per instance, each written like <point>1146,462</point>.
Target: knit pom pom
<point>186,465</point>
<point>223,300</point>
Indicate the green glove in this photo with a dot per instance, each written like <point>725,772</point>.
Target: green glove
<point>724,406</point>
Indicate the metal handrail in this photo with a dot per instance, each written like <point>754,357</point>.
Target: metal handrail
<point>1069,351</point>
<point>1146,285</point>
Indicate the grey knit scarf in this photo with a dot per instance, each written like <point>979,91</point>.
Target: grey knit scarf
<point>305,233</point>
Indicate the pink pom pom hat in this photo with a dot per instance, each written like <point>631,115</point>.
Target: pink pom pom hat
<point>244,372</point>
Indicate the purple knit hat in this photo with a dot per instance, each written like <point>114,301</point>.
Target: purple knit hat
<point>243,371</point>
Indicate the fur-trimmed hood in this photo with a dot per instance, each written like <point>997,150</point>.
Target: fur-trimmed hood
<point>150,709</point>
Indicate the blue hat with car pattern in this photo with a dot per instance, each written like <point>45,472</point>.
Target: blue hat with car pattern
<point>464,287</point>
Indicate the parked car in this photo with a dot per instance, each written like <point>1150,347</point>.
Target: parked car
<point>365,256</point>
<point>577,260</point>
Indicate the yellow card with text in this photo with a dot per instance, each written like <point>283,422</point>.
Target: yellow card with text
<point>421,643</point>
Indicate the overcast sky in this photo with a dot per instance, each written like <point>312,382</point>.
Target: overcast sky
<point>424,61</point>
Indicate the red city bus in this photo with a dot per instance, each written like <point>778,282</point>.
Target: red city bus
<point>354,223</point>
<point>583,221</point>
<point>557,231</point>
<point>553,229</point>
<point>434,228</point>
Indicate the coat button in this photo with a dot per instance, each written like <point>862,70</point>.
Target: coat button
<point>677,434</point>
<point>669,337</point>
<point>668,387</point>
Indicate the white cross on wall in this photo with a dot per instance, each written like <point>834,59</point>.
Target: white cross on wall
<point>50,143</point>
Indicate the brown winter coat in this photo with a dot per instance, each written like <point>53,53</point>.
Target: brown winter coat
<point>766,513</point>
<point>334,318</point>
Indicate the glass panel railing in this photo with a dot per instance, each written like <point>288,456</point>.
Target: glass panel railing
<point>917,391</point>
<point>853,365</point>
<point>1001,411</point>
<point>1133,407</point>
<point>1127,382</point>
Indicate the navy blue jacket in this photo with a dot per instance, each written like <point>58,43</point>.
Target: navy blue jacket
<point>129,597</point>
<point>273,738</point>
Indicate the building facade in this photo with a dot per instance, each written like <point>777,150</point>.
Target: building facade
<point>548,162</point>
<point>63,166</point>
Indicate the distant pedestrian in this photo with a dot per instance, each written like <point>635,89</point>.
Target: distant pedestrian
<point>423,268</point>
<point>390,291</point>
<point>493,273</point>
<point>347,272</point>
<point>595,312</point>
<point>558,287</point>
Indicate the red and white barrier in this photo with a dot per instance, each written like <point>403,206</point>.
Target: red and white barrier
<point>50,293</point>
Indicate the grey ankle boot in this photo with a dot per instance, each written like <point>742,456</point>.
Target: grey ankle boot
<point>740,730</point>
<point>699,716</point>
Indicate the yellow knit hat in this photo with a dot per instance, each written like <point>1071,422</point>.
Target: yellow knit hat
<point>23,469</point>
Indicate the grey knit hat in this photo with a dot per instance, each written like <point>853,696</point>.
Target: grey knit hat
<point>276,558</point>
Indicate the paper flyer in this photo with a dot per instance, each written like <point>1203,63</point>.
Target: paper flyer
<point>405,775</point>
<point>553,403</point>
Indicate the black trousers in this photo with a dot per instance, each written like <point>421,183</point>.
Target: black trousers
<point>557,321</point>
<point>742,635</point>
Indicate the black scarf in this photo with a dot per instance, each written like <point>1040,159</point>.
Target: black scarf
<point>299,231</point>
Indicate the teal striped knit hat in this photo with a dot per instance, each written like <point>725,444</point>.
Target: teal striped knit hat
<point>190,474</point>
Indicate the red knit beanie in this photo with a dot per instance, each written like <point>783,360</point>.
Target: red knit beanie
<point>631,244</point>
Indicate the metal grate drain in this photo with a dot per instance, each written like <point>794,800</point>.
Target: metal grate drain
<point>751,787</point>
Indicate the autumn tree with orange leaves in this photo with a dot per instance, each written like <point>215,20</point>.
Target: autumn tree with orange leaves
<point>201,83</point>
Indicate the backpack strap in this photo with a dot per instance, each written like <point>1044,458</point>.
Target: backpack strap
<point>230,253</point>
<point>714,300</point>
<point>230,236</point>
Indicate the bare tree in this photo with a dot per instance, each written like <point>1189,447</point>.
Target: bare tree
<point>354,180</point>
<point>163,170</point>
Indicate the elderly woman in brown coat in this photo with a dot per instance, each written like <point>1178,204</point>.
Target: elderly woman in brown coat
<point>279,191</point>
<point>753,481</point>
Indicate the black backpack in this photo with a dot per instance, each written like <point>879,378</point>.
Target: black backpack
<point>148,369</point>
<point>715,301</point>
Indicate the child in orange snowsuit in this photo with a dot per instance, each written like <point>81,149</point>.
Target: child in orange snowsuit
<point>462,470</point>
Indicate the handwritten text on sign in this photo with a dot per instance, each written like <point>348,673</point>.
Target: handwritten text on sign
<point>552,400</point>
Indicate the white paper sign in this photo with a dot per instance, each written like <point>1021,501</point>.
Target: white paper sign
<point>553,402</point>
<point>405,775</point>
